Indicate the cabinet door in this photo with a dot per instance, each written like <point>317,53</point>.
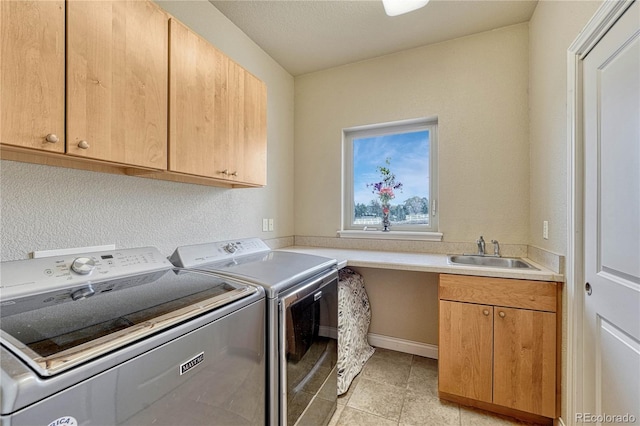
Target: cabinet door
<point>198,105</point>
<point>525,360</point>
<point>32,74</point>
<point>465,350</point>
<point>217,113</point>
<point>117,56</point>
<point>248,126</point>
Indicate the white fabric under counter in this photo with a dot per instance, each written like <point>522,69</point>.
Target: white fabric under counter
<point>354,318</point>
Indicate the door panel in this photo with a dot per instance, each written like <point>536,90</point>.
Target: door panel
<point>611,323</point>
<point>117,81</point>
<point>617,388</point>
<point>254,144</point>
<point>32,74</point>
<point>199,100</point>
<point>525,360</point>
<point>465,349</point>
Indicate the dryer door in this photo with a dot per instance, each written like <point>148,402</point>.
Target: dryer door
<point>309,351</point>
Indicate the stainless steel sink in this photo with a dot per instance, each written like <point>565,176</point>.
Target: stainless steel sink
<point>489,261</point>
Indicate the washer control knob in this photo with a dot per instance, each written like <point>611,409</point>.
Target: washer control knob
<point>230,248</point>
<point>83,265</point>
<point>83,293</point>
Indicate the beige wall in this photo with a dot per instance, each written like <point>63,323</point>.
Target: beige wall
<point>552,29</point>
<point>404,304</point>
<point>46,207</point>
<point>477,86</point>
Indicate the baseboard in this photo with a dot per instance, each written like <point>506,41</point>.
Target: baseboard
<point>401,345</point>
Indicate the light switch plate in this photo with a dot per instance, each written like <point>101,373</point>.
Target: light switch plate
<point>265,225</point>
<point>545,229</point>
<point>270,224</point>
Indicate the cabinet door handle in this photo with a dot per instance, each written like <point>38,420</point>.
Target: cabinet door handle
<point>485,312</point>
<point>502,314</point>
<point>83,144</point>
<point>52,138</point>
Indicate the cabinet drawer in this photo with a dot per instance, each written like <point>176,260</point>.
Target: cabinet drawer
<point>536,295</point>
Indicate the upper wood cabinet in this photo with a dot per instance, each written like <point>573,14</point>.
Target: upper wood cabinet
<point>32,74</point>
<point>250,135</point>
<point>217,113</point>
<point>497,343</point>
<point>117,77</point>
<point>117,86</point>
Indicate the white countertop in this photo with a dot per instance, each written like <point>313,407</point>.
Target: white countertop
<point>423,262</point>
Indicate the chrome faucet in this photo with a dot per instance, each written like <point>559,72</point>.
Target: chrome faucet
<point>480,243</point>
<point>496,248</point>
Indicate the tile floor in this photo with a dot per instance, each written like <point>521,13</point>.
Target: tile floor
<point>400,389</point>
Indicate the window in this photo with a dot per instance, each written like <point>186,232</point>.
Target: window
<point>391,168</point>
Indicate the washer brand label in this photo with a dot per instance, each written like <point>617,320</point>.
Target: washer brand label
<point>64,421</point>
<point>190,364</point>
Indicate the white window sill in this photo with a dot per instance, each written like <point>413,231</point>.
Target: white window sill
<point>392,235</point>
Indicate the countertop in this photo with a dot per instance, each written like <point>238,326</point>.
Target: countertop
<point>423,262</point>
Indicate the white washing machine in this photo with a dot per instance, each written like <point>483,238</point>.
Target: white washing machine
<point>123,337</point>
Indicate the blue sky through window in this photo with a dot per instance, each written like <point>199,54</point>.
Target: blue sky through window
<point>409,161</point>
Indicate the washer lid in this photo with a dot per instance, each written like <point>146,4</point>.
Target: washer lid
<point>55,331</point>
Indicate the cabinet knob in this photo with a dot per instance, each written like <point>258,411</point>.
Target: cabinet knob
<point>83,144</point>
<point>502,314</point>
<point>52,138</point>
<point>485,312</point>
<point>234,174</point>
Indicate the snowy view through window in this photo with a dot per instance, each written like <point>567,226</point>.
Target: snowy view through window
<point>405,155</point>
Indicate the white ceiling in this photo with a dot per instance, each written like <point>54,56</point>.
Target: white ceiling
<point>310,35</point>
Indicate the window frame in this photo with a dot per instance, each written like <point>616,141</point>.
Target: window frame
<point>429,231</point>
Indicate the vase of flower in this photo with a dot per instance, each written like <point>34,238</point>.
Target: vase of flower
<point>385,192</point>
<point>386,224</point>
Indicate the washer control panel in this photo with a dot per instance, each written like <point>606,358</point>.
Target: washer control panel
<point>200,254</point>
<point>77,271</point>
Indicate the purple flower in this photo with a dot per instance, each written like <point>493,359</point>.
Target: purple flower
<point>384,189</point>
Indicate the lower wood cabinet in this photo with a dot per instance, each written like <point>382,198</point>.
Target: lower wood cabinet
<point>498,341</point>
<point>465,350</point>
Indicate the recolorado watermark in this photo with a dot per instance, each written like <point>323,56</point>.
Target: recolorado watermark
<point>605,418</point>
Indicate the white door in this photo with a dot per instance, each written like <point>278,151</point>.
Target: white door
<point>611,323</point>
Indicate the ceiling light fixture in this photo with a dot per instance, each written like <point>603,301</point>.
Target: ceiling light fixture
<point>398,7</point>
